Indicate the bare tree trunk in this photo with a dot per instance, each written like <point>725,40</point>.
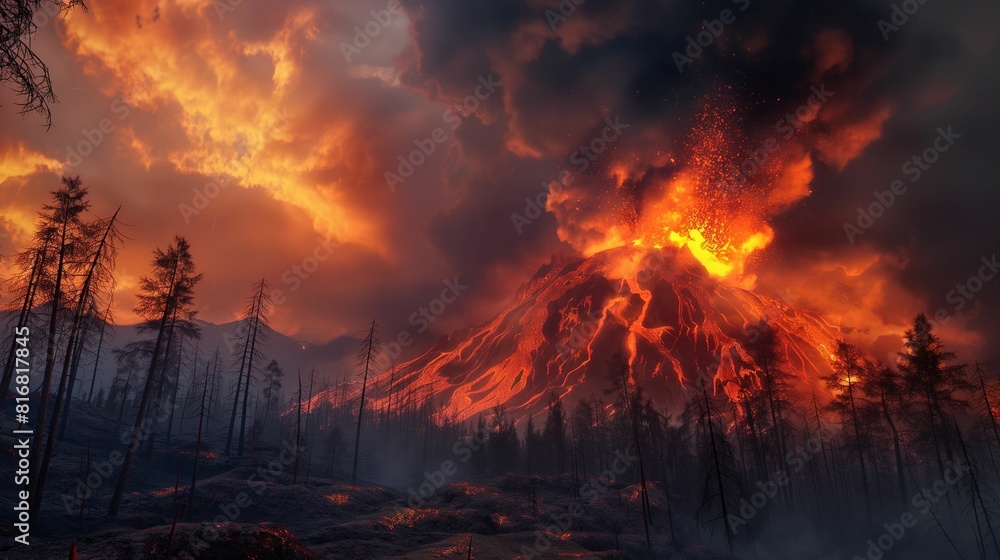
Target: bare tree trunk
<point>986,401</point>
<point>81,305</point>
<point>100,345</point>
<point>860,448</point>
<point>249,375</point>
<point>50,364</point>
<point>147,391</point>
<point>975,490</point>
<point>361,408</point>
<point>121,409</point>
<point>236,399</point>
<point>897,450</point>
<point>77,355</point>
<point>197,447</point>
<point>23,316</point>
<point>158,400</point>
<point>312,376</point>
<point>298,433</point>
<point>718,468</point>
<point>173,396</point>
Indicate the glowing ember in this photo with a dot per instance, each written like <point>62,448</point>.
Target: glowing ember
<point>408,517</point>
<point>470,489</point>
<point>713,199</point>
<point>338,498</point>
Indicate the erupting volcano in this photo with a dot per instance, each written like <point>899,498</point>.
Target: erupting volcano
<point>675,323</point>
<point>664,280</point>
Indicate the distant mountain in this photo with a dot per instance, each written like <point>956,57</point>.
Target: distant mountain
<point>330,359</point>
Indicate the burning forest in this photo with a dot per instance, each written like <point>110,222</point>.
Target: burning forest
<point>499,281</point>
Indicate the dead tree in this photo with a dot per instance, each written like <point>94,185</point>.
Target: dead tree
<point>253,326</point>
<point>365,358</point>
<point>168,292</point>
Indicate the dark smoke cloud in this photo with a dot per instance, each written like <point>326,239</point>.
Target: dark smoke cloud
<point>618,58</point>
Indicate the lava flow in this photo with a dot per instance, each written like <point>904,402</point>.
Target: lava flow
<point>676,324</point>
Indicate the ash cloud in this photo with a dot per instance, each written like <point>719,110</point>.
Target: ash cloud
<point>618,58</point>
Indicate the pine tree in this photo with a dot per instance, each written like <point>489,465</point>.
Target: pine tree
<point>883,387</point>
<point>272,387</point>
<point>932,387</point>
<point>720,485</point>
<point>254,329</point>
<point>365,356</point>
<point>630,403</point>
<point>197,448</point>
<point>105,323</point>
<point>64,216</point>
<point>165,295</point>
<point>98,276</point>
<point>298,431</point>
<point>26,289</point>
<point>844,381</point>
<point>775,383</point>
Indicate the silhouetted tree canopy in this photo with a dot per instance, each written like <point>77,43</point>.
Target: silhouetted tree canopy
<point>21,69</point>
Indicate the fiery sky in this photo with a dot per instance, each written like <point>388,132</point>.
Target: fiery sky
<point>269,100</point>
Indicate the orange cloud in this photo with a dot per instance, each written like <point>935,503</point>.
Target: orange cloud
<point>17,163</point>
<point>231,100</point>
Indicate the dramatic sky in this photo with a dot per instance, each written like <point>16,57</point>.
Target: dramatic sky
<point>300,113</point>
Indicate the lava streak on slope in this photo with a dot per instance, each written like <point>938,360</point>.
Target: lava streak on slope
<point>675,323</point>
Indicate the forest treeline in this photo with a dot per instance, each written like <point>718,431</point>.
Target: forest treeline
<point>740,455</point>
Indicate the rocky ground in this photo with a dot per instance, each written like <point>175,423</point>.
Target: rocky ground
<point>254,509</point>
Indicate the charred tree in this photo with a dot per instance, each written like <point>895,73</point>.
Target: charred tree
<point>168,292</point>
<point>254,326</point>
<point>365,355</point>
<point>106,318</point>
<point>63,214</point>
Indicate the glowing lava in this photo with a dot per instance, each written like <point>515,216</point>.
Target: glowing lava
<point>676,324</point>
<point>716,203</point>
